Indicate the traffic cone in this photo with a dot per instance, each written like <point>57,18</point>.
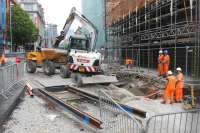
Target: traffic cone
<point>29,89</point>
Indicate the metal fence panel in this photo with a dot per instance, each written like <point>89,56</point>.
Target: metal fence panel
<point>115,119</point>
<point>181,122</point>
<point>9,76</point>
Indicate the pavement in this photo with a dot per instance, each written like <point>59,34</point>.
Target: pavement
<point>34,115</point>
<point>13,98</point>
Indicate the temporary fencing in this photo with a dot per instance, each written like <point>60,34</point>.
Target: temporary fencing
<point>117,120</point>
<point>9,76</point>
<point>181,122</point>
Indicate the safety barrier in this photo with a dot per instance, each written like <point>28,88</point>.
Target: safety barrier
<point>181,122</point>
<point>9,76</point>
<point>116,120</point>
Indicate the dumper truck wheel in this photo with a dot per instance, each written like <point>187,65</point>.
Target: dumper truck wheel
<point>31,66</point>
<point>65,72</point>
<point>49,68</point>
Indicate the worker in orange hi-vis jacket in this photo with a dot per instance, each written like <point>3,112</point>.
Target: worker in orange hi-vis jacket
<point>170,88</point>
<point>166,62</point>
<point>179,85</point>
<point>160,64</point>
<point>3,60</point>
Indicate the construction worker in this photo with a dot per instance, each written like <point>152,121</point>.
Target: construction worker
<point>160,65</point>
<point>166,63</point>
<point>170,88</point>
<point>3,60</point>
<point>179,85</point>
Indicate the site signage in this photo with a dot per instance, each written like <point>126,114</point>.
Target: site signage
<point>2,20</point>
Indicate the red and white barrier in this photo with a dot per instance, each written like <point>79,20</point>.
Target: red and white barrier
<point>87,68</point>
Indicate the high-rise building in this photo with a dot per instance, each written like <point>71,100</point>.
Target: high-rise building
<point>50,34</point>
<point>36,13</point>
<point>94,11</point>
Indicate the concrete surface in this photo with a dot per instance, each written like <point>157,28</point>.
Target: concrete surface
<point>8,105</point>
<point>33,115</point>
<point>47,81</point>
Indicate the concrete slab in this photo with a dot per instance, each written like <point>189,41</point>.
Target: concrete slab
<point>154,107</point>
<point>99,79</point>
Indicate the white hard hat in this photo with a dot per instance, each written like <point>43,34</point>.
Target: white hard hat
<point>178,69</point>
<point>160,52</point>
<point>169,73</point>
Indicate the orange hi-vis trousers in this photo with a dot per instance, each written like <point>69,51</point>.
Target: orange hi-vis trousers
<point>179,87</point>
<point>170,88</point>
<point>160,65</point>
<point>166,59</point>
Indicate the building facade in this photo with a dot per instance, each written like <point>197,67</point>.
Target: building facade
<point>50,34</point>
<point>138,29</point>
<point>94,11</point>
<point>36,13</point>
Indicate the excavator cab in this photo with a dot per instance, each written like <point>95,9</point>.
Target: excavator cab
<point>79,43</point>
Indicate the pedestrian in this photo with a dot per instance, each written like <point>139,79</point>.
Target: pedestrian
<point>166,63</point>
<point>160,64</point>
<point>179,85</point>
<point>170,88</point>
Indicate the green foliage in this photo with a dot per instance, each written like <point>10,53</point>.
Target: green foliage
<point>24,31</point>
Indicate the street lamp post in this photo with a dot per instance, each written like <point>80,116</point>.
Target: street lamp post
<point>11,35</point>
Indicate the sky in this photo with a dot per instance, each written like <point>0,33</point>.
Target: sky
<point>57,11</point>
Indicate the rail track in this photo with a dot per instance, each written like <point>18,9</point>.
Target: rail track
<point>81,104</point>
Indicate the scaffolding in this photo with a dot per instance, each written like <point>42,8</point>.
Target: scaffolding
<point>140,31</point>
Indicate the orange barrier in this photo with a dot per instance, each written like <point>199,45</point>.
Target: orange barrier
<point>129,62</point>
<point>17,59</point>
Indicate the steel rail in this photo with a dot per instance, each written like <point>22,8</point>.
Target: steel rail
<point>85,117</point>
<point>132,110</point>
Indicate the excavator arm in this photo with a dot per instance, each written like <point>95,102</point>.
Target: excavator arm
<point>74,15</point>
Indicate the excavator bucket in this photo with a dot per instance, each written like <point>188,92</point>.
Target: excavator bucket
<point>96,79</point>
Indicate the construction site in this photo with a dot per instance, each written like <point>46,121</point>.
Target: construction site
<point>139,29</point>
<point>123,87</point>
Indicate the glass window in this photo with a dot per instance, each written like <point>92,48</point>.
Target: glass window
<point>79,44</point>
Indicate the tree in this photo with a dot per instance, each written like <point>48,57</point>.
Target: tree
<point>23,29</point>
